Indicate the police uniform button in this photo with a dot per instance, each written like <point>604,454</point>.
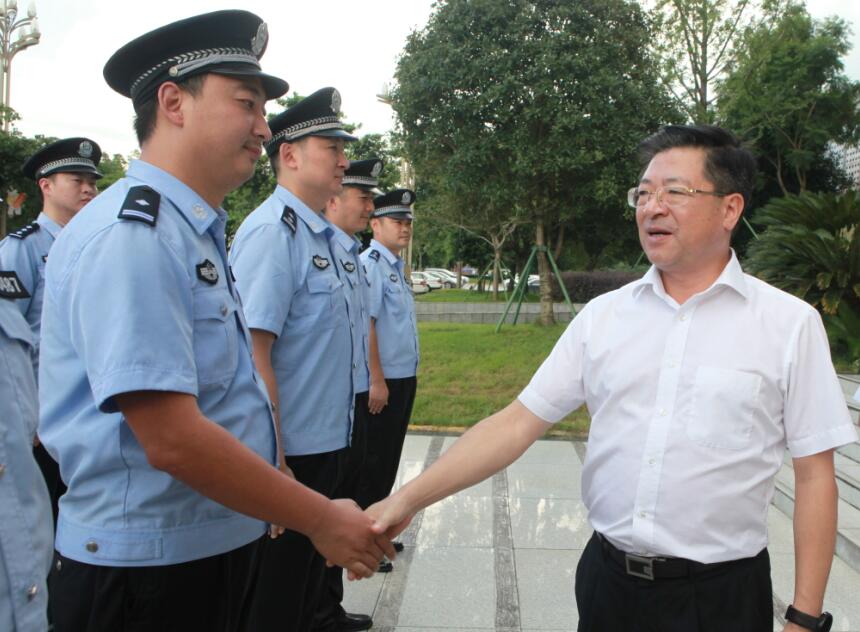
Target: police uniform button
<point>92,546</point>
<point>224,310</point>
<point>32,591</point>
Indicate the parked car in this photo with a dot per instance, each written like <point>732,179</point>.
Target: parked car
<point>432,282</point>
<point>419,284</point>
<point>447,279</point>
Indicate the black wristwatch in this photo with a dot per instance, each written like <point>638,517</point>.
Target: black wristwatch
<point>818,624</point>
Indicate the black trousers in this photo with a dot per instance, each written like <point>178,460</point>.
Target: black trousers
<point>385,435</point>
<point>329,608</point>
<point>51,474</point>
<point>292,573</point>
<point>206,595</point>
<point>736,596</point>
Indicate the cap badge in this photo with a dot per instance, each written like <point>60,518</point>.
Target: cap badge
<point>85,149</point>
<point>335,101</point>
<point>377,169</point>
<point>407,198</point>
<point>258,43</point>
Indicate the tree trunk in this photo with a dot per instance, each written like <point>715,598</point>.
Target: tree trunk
<point>546,316</point>
<point>459,274</point>
<point>497,258</point>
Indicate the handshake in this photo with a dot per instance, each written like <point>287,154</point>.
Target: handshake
<point>358,540</point>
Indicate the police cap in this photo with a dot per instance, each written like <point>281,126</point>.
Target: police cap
<point>396,204</point>
<point>315,115</point>
<point>363,173</point>
<point>70,155</point>
<point>223,42</point>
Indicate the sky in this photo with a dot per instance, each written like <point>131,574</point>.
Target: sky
<point>58,88</point>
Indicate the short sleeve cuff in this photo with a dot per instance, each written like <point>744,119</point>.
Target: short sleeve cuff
<point>827,440</point>
<point>530,398</point>
<point>143,379</point>
<point>266,322</point>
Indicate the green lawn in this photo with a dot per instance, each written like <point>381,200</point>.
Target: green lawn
<point>468,372</point>
<point>468,296</point>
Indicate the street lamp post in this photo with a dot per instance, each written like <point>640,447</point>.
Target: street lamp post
<point>16,33</point>
<point>27,30</point>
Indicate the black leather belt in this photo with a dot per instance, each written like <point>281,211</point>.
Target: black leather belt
<point>657,567</point>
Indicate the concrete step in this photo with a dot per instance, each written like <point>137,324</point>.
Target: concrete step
<point>848,528</point>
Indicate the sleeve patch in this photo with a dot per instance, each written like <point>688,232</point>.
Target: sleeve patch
<point>141,205</point>
<point>11,286</point>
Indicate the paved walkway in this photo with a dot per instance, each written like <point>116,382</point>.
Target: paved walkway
<point>502,555</point>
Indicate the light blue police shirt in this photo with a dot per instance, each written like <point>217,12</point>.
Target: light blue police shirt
<point>345,251</point>
<point>131,306</point>
<point>286,276</point>
<point>25,251</point>
<point>393,310</point>
<point>26,532</point>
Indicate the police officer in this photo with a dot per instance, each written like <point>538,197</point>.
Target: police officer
<point>66,173</point>
<point>25,524</point>
<point>149,398</point>
<point>349,212</point>
<point>296,308</point>
<point>393,346</point>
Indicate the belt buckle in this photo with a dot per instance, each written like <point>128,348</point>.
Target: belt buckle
<point>639,566</point>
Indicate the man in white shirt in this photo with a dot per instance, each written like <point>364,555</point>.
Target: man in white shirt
<point>697,378</point>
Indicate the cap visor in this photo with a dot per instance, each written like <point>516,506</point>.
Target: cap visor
<point>336,133</point>
<point>272,86</point>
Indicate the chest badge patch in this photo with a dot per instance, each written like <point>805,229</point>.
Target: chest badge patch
<point>11,286</point>
<point>393,277</point>
<point>349,266</point>
<point>207,272</point>
<point>321,262</point>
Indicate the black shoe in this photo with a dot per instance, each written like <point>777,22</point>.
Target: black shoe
<point>348,622</point>
<point>398,545</point>
<point>385,567</point>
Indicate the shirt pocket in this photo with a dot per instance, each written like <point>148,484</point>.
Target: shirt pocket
<point>723,407</point>
<point>394,298</point>
<point>318,307</point>
<point>215,338</point>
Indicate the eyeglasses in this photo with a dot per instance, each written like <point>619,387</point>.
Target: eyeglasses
<point>671,197</point>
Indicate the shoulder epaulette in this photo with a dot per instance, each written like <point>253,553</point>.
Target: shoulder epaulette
<point>11,286</point>
<point>141,205</point>
<point>374,254</point>
<point>25,231</point>
<point>289,218</point>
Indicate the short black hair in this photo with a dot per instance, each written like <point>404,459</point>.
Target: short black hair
<point>144,113</point>
<point>729,165</point>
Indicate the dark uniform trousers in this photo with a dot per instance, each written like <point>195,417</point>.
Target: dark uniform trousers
<point>292,573</point>
<point>385,435</point>
<point>51,474</point>
<point>207,595</point>
<point>330,609</point>
<point>734,596</point>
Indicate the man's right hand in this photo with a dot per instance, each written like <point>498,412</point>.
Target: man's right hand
<point>378,397</point>
<point>347,537</point>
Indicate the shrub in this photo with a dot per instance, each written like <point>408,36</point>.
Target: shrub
<point>584,286</point>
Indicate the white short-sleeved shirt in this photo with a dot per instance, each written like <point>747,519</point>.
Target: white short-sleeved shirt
<point>692,407</point>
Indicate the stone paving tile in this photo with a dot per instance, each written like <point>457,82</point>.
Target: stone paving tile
<point>547,523</point>
<point>544,481</point>
<point>406,472</point>
<point>450,587</point>
<point>458,521</point>
<point>362,596</point>
<point>415,447</point>
<point>545,579</point>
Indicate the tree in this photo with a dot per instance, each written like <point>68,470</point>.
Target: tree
<point>528,111</point>
<point>811,248</point>
<point>695,41</point>
<point>14,151</point>
<point>789,96</point>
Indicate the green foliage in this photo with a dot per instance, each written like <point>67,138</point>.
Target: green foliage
<point>811,248</point>
<point>14,151</point>
<point>240,202</point>
<point>788,95</point>
<point>529,112</point>
<point>113,168</point>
